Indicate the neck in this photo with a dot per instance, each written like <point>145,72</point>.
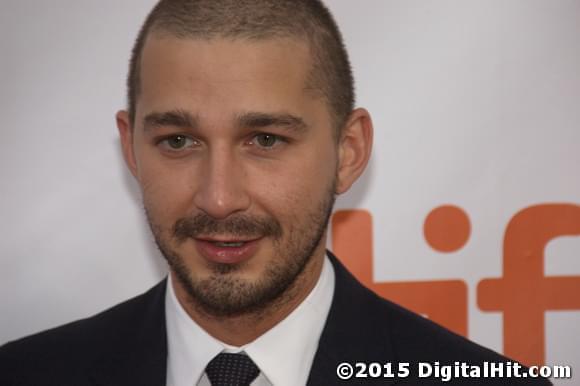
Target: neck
<point>243,329</point>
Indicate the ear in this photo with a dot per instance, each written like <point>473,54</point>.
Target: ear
<point>126,135</point>
<point>354,149</point>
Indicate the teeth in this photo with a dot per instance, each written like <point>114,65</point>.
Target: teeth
<point>228,244</point>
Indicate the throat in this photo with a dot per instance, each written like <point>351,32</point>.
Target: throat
<point>241,329</point>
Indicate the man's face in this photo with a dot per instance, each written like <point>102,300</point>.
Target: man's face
<point>237,164</point>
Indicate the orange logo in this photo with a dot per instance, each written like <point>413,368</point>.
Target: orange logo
<point>523,294</point>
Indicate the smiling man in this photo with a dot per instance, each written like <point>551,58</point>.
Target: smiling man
<point>240,130</point>
<point>238,164</point>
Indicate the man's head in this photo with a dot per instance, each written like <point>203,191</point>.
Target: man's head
<point>240,136</point>
<point>307,20</point>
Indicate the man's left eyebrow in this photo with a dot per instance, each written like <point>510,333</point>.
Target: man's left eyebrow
<point>285,121</point>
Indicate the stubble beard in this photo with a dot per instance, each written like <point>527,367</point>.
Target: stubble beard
<point>223,293</point>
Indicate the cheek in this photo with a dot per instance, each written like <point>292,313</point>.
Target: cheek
<point>167,193</point>
<point>294,191</point>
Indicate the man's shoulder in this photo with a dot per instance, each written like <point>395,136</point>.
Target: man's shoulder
<point>73,346</point>
<point>421,342</point>
<point>389,332</point>
<point>417,337</point>
<point>410,334</point>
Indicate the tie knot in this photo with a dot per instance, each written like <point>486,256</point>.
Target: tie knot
<point>231,370</point>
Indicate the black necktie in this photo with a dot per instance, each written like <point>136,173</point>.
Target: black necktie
<point>231,370</point>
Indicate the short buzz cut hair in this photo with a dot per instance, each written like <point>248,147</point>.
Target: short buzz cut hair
<point>307,20</point>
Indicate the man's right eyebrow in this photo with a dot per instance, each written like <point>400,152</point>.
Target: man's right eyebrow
<point>174,118</point>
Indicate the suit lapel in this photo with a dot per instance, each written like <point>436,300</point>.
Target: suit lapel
<point>353,332</point>
<point>140,358</point>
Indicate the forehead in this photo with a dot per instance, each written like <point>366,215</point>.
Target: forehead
<point>180,73</point>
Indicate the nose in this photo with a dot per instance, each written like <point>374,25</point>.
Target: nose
<point>221,190</point>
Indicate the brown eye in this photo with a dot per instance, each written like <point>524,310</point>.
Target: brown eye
<point>266,140</point>
<point>177,142</point>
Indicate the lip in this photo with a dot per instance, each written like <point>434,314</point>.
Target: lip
<point>226,255</point>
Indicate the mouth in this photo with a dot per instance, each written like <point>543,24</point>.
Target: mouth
<point>225,242</point>
<point>226,250</point>
<point>228,244</point>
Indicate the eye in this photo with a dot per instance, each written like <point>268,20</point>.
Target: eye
<point>267,141</point>
<point>177,142</point>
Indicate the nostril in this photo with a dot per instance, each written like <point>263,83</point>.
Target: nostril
<point>220,204</point>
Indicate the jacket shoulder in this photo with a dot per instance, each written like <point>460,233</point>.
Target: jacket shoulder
<point>419,340</point>
<point>416,337</point>
<point>390,332</point>
<point>70,348</point>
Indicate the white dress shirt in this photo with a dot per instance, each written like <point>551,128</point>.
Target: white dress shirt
<point>284,354</point>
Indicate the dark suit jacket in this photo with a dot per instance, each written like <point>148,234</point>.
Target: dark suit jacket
<point>126,345</point>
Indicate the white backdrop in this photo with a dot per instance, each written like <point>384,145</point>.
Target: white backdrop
<point>475,103</point>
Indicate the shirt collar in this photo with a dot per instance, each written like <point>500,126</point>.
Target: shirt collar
<point>189,347</point>
<point>284,354</point>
